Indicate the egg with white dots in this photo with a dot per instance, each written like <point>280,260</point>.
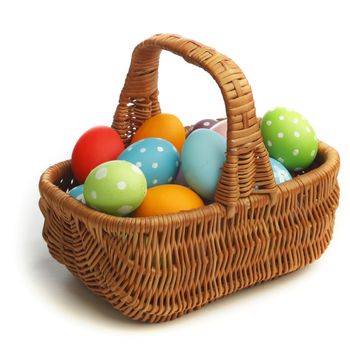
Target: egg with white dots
<point>158,159</point>
<point>204,124</point>
<point>280,172</point>
<point>78,193</point>
<point>116,187</point>
<point>289,138</point>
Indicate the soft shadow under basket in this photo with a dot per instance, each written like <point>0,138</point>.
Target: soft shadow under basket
<point>158,268</point>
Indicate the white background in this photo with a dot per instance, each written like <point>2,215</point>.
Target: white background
<point>63,64</point>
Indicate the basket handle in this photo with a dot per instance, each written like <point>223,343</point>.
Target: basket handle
<point>247,161</point>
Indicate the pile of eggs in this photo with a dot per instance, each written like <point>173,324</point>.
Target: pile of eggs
<point>162,171</point>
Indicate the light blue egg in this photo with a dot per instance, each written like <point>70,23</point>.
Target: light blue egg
<point>157,158</point>
<point>280,172</point>
<point>203,156</point>
<point>78,193</point>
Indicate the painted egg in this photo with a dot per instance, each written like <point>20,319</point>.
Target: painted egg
<point>280,172</point>
<point>157,158</point>
<point>220,128</point>
<point>78,193</point>
<point>167,199</point>
<point>96,146</point>
<point>117,187</point>
<point>164,126</point>
<point>289,138</point>
<point>203,156</point>
<point>204,124</point>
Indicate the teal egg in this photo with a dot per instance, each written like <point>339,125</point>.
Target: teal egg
<point>157,158</point>
<point>78,193</point>
<point>203,156</point>
<point>280,172</point>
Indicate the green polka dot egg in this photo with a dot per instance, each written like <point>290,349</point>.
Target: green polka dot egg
<point>116,187</point>
<point>289,138</point>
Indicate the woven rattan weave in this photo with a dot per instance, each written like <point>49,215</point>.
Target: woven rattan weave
<point>158,268</point>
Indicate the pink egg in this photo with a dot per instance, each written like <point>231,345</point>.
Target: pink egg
<point>220,128</point>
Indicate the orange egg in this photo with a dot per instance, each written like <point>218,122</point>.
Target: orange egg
<point>165,126</point>
<point>167,199</point>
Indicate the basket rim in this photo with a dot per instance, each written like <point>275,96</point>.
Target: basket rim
<point>54,195</point>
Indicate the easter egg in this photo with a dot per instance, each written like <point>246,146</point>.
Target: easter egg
<point>220,128</point>
<point>280,172</point>
<point>157,158</point>
<point>78,193</point>
<point>116,187</point>
<point>164,126</point>
<point>167,199</point>
<point>204,124</point>
<point>203,156</point>
<point>96,146</point>
<point>289,138</point>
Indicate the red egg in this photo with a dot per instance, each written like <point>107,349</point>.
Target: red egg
<point>96,146</point>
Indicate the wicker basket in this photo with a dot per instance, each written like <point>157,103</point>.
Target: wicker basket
<point>158,268</point>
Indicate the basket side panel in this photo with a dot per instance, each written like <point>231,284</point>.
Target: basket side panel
<point>215,257</point>
<point>157,270</point>
<point>70,243</point>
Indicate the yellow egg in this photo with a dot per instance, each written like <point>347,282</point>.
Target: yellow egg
<point>164,126</point>
<point>167,199</point>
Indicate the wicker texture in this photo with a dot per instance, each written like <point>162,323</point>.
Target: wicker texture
<point>247,160</point>
<point>158,268</point>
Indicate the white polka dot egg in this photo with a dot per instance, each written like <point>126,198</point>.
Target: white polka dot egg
<point>115,187</point>
<point>289,138</point>
<point>78,193</point>
<point>157,158</point>
<point>280,172</point>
